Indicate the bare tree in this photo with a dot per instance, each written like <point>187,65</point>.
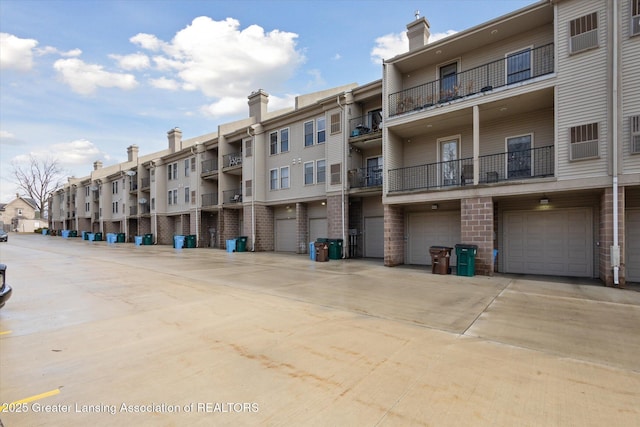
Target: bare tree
<point>38,178</point>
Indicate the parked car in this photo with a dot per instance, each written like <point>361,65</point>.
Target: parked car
<point>5,290</point>
<point>4,237</point>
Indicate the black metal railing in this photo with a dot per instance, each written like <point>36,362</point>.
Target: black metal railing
<point>509,166</point>
<point>230,160</point>
<point>210,199</point>
<point>519,67</point>
<point>366,177</point>
<point>145,182</point>
<point>363,125</point>
<point>232,196</point>
<point>209,166</point>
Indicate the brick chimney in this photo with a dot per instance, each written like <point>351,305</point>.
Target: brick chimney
<point>97,165</point>
<point>132,153</point>
<point>175,139</point>
<point>258,105</point>
<point>418,32</point>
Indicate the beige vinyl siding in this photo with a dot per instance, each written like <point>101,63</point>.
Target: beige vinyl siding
<point>539,123</point>
<point>630,81</point>
<point>582,94</point>
<point>335,145</point>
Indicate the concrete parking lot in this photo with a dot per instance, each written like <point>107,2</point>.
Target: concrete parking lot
<point>116,334</point>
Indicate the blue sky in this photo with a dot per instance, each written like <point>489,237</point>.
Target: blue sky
<point>81,80</point>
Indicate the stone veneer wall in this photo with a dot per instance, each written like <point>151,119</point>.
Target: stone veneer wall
<point>302,228</point>
<point>476,228</point>
<point>393,235</point>
<point>334,217</point>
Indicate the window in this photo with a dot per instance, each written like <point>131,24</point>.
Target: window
<point>87,207</point>
<point>153,175</point>
<point>584,141</point>
<point>172,197</point>
<point>635,17</point>
<point>284,177</point>
<point>187,167</point>
<point>193,164</point>
<point>187,195</point>
<point>284,140</point>
<point>584,33</point>
<point>248,188</point>
<point>114,207</point>
<point>308,134</point>
<point>336,173</point>
<point>87,191</point>
<point>336,124</point>
<point>193,197</point>
<point>321,132</point>
<point>172,171</point>
<point>19,212</point>
<point>153,203</point>
<point>273,179</point>
<point>374,171</point>
<point>169,197</point>
<point>321,171</point>
<point>308,173</point>
<point>248,148</point>
<point>448,81</point>
<point>114,187</point>
<point>518,66</point>
<point>635,133</point>
<point>273,143</point>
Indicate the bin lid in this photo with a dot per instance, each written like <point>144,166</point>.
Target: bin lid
<point>440,248</point>
<point>465,246</point>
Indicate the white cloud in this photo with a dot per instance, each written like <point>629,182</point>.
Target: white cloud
<point>316,77</point>
<point>337,57</point>
<point>134,61</point>
<point>226,106</point>
<point>165,83</point>
<point>86,78</point>
<point>391,45</point>
<point>50,50</point>
<point>206,53</point>
<point>69,154</point>
<point>16,53</point>
<point>6,135</point>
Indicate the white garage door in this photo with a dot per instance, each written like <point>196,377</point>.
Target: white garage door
<point>317,228</point>
<point>426,229</point>
<point>555,242</point>
<point>285,235</point>
<point>632,241</point>
<point>374,237</point>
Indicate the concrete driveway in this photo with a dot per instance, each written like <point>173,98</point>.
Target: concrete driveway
<point>98,334</point>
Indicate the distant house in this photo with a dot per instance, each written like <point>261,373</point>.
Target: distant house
<point>20,214</point>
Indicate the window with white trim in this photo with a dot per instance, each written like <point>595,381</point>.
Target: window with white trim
<point>321,171</point>
<point>308,173</point>
<point>635,17</point>
<point>308,134</point>
<point>187,167</point>
<point>336,173</point>
<point>273,143</point>
<point>336,123</point>
<point>248,148</point>
<point>284,140</point>
<point>114,187</point>
<point>172,171</point>
<point>321,130</point>
<point>635,133</point>
<point>583,33</point>
<point>584,141</point>
<point>518,66</point>
<point>187,195</point>
<point>248,188</point>
<point>273,179</point>
<point>284,177</point>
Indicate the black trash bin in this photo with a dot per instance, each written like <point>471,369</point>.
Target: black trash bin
<point>440,257</point>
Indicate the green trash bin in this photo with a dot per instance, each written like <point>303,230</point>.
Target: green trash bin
<point>190,241</point>
<point>73,233</point>
<point>97,237</point>
<point>241,244</point>
<point>147,239</point>
<point>335,248</point>
<point>121,238</point>
<point>466,260</point>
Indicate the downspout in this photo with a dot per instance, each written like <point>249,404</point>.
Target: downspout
<point>253,196</point>
<point>197,192</point>
<point>155,207</point>
<point>344,175</point>
<point>615,249</point>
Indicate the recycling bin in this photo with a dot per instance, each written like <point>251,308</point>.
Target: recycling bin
<point>178,242</point>
<point>312,251</point>
<point>231,245</point>
<point>65,234</point>
<point>85,235</point>
<point>322,251</point>
<point>121,238</point>
<point>190,241</point>
<point>466,259</point>
<point>147,239</point>
<point>241,244</point>
<point>335,248</point>
<point>440,258</point>
<point>138,240</point>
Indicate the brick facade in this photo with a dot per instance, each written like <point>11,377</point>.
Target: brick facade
<point>476,228</point>
<point>334,216</point>
<point>606,236</point>
<point>229,225</point>
<point>302,228</point>
<point>264,232</point>
<point>393,235</point>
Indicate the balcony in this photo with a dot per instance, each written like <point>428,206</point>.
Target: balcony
<point>366,125</point>
<point>516,68</point>
<point>232,160</point>
<point>209,167</point>
<point>145,183</point>
<point>133,210</point>
<point>365,177</point>
<point>231,197</point>
<point>501,167</point>
<point>210,199</point>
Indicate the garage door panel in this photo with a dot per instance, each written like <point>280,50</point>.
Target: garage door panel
<point>632,241</point>
<point>426,229</point>
<point>286,235</point>
<point>374,237</point>
<point>555,242</point>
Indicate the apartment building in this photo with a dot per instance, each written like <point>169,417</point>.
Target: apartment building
<point>520,136</point>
